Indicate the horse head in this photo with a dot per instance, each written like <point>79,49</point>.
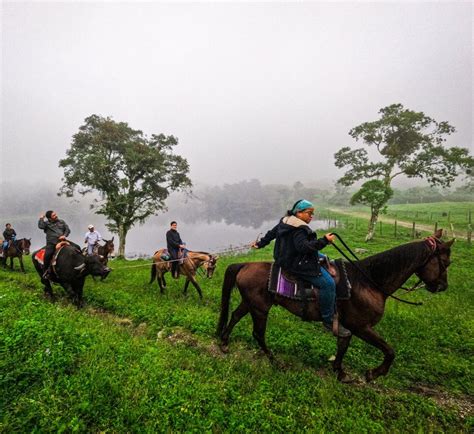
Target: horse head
<point>95,267</point>
<point>109,247</point>
<point>434,272</point>
<point>210,265</point>
<point>24,245</point>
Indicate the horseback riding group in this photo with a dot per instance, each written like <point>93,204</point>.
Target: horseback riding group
<point>347,296</point>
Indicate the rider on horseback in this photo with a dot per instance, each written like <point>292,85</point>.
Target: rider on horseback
<point>56,230</point>
<point>92,239</point>
<point>296,250</point>
<point>174,244</point>
<point>9,237</point>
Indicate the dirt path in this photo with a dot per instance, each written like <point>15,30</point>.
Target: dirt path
<point>389,220</point>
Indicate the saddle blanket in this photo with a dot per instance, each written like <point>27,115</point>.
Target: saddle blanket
<point>292,287</point>
<point>40,256</point>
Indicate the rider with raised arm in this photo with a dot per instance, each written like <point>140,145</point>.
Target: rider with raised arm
<point>56,230</point>
<point>297,250</point>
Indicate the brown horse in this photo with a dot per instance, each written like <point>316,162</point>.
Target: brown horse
<point>188,267</point>
<point>17,250</point>
<point>428,259</point>
<point>106,250</point>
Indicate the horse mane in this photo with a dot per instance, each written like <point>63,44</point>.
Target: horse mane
<point>382,264</point>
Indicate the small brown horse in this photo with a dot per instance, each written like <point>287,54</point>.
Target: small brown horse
<point>428,259</point>
<point>17,250</point>
<point>106,250</point>
<point>188,267</point>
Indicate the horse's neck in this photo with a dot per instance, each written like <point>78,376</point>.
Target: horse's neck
<point>391,269</point>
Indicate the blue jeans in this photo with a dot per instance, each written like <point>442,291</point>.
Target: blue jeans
<point>327,293</point>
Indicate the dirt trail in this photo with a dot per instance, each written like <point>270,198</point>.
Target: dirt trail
<point>390,220</point>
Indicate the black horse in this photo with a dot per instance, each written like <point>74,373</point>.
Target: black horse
<point>428,259</point>
<point>17,249</point>
<point>70,272</point>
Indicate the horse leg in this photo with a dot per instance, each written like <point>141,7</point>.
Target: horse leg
<point>196,285</point>
<point>163,281</point>
<point>342,346</point>
<point>160,280</point>
<point>185,291</point>
<point>373,338</point>
<point>48,290</point>
<point>259,327</point>
<point>11,263</point>
<point>237,315</point>
<point>20,258</point>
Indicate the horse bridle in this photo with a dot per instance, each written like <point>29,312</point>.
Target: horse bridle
<point>433,243</point>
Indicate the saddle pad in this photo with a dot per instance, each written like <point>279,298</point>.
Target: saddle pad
<point>296,290</point>
<point>301,290</point>
<point>40,256</point>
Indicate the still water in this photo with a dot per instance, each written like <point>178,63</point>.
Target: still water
<point>144,240</point>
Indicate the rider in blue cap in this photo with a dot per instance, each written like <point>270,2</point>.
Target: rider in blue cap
<point>297,250</point>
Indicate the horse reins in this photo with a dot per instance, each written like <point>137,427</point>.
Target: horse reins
<point>368,277</point>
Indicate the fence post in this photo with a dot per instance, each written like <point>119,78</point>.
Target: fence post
<point>449,217</point>
<point>431,216</point>
<point>413,231</point>
<point>469,234</point>
<point>395,229</point>
<point>469,217</point>
<point>436,226</point>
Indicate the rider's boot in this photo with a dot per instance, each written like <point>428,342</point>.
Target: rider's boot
<point>340,332</point>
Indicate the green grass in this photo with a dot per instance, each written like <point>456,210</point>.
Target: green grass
<point>135,360</point>
<point>442,213</point>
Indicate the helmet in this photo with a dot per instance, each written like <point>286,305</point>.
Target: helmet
<point>90,227</point>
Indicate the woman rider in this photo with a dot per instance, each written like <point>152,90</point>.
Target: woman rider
<point>296,250</point>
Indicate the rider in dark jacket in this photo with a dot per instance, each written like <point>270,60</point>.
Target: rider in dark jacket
<point>297,250</point>
<point>174,244</point>
<point>9,234</point>
<point>56,230</point>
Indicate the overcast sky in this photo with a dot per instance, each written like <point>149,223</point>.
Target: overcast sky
<point>252,90</point>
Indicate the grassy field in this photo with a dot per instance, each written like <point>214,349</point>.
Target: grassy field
<point>134,360</point>
<point>428,214</point>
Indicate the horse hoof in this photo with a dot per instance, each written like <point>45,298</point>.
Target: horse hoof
<point>369,376</point>
<point>344,378</point>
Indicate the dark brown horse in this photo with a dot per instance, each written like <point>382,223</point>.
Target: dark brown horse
<point>189,267</point>
<point>106,250</point>
<point>428,259</point>
<point>17,250</point>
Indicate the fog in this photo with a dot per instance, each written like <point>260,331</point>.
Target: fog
<point>262,91</point>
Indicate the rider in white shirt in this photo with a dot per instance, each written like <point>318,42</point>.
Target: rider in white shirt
<point>92,238</point>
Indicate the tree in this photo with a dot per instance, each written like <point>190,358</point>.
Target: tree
<point>132,173</point>
<point>373,193</point>
<point>408,143</point>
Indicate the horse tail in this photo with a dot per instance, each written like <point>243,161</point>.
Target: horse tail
<point>153,272</point>
<point>230,278</point>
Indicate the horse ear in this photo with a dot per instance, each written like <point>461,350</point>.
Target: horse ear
<point>448,244</point>
<point>438,233</point>
<point>112,238</point>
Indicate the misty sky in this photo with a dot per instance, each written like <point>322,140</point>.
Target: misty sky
<point>252,90</point>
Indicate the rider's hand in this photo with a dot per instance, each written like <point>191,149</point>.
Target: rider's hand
<point>330,237</point>
<point>62,238</point>
<point>182,246</point>
<point>254,245</point>
<point>42,216</point>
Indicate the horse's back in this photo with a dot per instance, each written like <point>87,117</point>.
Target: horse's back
<point>254,274</point>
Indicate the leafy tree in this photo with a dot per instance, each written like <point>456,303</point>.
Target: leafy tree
<point>408,143</point>
<point>132,173</point>
<point>373,193</point>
